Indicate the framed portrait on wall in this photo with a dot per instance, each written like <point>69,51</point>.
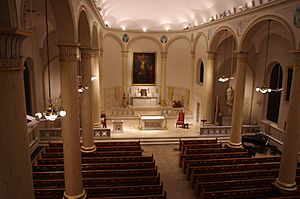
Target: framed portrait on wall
<point>143,69</point>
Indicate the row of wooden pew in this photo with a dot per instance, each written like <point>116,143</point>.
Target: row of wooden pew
<point>219,172</point>
<point>115,170</point>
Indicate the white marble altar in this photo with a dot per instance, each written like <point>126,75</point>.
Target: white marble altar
<point>144,101</point>
<point>143,96</point>
<point>152,122</point>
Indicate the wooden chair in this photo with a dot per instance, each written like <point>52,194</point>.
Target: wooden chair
<point>180,120</point>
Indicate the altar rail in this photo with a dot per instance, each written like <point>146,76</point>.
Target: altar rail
<point>225,130</point>
<point>47,134</point>
<point>275,134</point>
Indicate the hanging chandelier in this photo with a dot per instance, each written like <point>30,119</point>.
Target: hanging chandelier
<point>50,114</point>
<point>224,78</point>
<point>264,89</point>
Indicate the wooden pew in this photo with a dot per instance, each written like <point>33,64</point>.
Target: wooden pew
<point>96,154</point>
<point>161,196</point>
<point>105,143</point>
<point>212,156</point>
<point>183,142</point>
<point>101,166</point>
<point>200,146</point>
<point>235,184</point>
<point>92,182</point>
<point>207,151</point>
<point>214,177</point>
<point>100,148</point>
<point>229,168</point>
<point>107,191</point>
<point>86,160</point>
<point>97,173</point>
<point>210,162</point>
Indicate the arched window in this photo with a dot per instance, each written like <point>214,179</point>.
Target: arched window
<point>200,72</point>
<point>274,97</point>
<point>26,77</point>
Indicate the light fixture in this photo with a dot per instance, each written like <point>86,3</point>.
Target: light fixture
<point>144,29</point>
<point>224,78</point>
<point>50,114</point>
<point>264,89</point>
<point>94,77</point>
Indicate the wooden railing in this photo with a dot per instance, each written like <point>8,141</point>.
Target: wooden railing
<point>33,133</point>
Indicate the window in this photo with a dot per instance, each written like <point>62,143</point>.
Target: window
<point>200,72</point>
<point>274,97</point>
<point>289,83</point>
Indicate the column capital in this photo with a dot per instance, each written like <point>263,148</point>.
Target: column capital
<point>211,55</point>
<point>86,52</point>
<point>164,55</point>
<point>296,57</point>
<point>125,53</point>
<point>241,55</point>
<point>68,52</point>
<point>193,54</point>
<point>10,51</point>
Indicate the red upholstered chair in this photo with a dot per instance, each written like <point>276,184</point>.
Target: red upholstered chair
<point>180,120</point>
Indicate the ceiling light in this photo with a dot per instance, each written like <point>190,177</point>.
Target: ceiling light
<point>144,29</point>
<point>123,28</point>
<point>264,89</point>
<point>50,113</point>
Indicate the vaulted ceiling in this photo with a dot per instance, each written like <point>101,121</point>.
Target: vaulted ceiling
<point>165,14</point>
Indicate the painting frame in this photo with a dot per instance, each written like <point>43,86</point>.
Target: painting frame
<point>144,68</point>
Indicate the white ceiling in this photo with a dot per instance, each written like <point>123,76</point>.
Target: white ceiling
<point>163,14</point>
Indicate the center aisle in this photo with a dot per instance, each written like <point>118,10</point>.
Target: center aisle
<point>175,183</point>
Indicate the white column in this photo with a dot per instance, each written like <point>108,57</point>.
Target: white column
<point>163,80</point>
<point>238,103</point>
<point>124,71</point>
<point>86,102</point>
<point>192,79</point>
<point>70,123</point>
<point>209,86</point>
<point>95,87</point>
<point>289,157</point>
<point>101,80</point>
<point>15,164</point>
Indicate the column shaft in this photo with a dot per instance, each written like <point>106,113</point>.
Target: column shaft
<point>95,87</point>
<point>209,86</point>
<point>124,71</point>
<point>192,80</point>
<point>86,103</point>
<point>163,80</point>
<point>101,80</point>
<point>238,103</point>
<point>15,164</point>
<point>289,158</point>
<point>70,123</point>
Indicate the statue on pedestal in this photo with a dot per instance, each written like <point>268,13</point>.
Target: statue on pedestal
<point>229,96</point>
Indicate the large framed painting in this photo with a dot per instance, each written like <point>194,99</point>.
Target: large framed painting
<point>143,69</point>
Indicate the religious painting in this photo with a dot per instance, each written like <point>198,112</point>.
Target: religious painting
<point>143,70</point>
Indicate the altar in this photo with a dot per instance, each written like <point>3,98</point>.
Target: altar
<point>143,96</point>
<point>144,101</point>
<point>152,122</point>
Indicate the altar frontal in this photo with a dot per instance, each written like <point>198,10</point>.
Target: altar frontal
<point>152,122</point>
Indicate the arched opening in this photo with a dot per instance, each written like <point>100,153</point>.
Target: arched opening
<point>274,97</point>
<point>201,72</point>
<point>26,74</point>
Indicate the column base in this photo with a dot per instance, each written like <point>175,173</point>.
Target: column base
<point>80,196</point>
<point>234,145</point>
<point>88,149</point>
<point>285,186</point>
<point>162,103</point>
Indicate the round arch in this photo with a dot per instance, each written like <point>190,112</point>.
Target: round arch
<point>252,29</point>
<point>116,38</point>
<point>176,38</point>
<point>65,21</point>
<point>213,45</point>
<point>131,41</point>
<point>197,38</point>
<point>84,33</point>
<point>95,38</point>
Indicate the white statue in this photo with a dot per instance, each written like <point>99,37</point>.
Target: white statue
<point>229,96</point>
